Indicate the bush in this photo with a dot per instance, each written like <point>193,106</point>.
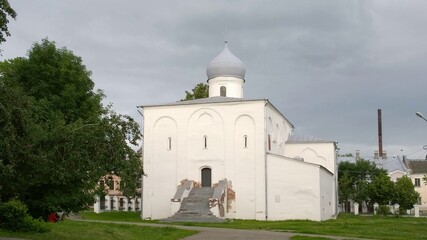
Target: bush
<point>14,217</point>
<point>383,210</point>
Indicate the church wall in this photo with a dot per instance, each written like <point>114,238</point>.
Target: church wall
<point>327,194</point>
<point>225,126</point>
<point>245,152</point>
<point>279,129</point>
<point>160,161</point>
<point>293,189</point>
<point>318,153</point>
<point>233,85</point>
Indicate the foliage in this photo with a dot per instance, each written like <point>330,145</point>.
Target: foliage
<point>56,138</point>
<point>354,180</point>
<point>5,11</point>
<point>381,189</point>
<point>405,195</point>
<point>383,210</point>
<point>425,179</point>
<point>201,90</point>
<point>14,217</point>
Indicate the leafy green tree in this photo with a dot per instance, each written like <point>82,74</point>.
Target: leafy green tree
<point>405,194</point>
<point>354,179</point>
<point>381,189</point>
<point>56,138</point>
<point>345,193</point>
<point>5,11</point>
<point>201,90</point>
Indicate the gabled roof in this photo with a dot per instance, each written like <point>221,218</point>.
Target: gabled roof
<point>417,166</point>
<point>217,99</point>
<point>204,101</point>
<point>306,139</point>
<point>390,164</point>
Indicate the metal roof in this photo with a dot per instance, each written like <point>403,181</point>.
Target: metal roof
<point>226,65</point>
<point>205,101</point>
<point>306,139</point>
<point>417,166</point>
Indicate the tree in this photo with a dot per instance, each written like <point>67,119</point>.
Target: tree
<point>201,90</point>
<point>5,11</point>
<point>56,138</point>
<point>405,195</point>
<point>381,189</point>
<point>354,180</point>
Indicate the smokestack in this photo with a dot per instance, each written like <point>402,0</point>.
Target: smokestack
<point>380,135</point>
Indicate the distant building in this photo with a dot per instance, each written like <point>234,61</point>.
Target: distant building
<point>397,167</point>
<point>113,199</point>
<point>242,148</point>
<point>417,170</point>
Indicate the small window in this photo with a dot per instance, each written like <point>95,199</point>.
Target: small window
<point>205,141</point>
<point>245,141</point>
<point>169,143</point>
<point>417,182</point>
<point>223,91</point>
<point>269,142</point>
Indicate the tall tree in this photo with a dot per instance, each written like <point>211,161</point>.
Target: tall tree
<point>354,180</point>
<point>405,195</point>
<point>201,90</point>
<point>56,138</point>
<point>381,189</point>
<point>5,11</point>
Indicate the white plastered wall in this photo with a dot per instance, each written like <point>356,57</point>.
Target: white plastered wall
<point>225,126</point>
<point>233,85</point>
<point>279,129</point>
<point>293,189</point>
<point>318,153</point>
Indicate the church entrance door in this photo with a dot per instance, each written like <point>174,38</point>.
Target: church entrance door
<point>206,177</point>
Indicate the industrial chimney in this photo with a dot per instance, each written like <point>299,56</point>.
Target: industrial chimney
<point>380,135</point>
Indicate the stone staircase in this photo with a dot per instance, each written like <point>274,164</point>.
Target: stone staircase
<point>195,207</point>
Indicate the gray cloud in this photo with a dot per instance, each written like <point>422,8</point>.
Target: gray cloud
<point>327,65</point>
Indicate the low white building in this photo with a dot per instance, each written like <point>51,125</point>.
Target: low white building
<point>270,174</point>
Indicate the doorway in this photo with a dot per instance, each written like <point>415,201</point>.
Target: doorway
<point>206,177</point>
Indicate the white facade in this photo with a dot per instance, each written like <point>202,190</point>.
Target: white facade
<point>249,143</point>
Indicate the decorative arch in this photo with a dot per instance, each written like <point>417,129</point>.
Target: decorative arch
<point>308,151</point>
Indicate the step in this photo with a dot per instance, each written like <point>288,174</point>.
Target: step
<point>195,207</point>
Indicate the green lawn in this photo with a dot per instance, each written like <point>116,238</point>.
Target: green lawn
<point>347,225</point>
<point>72,230</point>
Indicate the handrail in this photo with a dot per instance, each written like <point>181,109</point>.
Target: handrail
<point>218,198</point>
<point>183,190</point>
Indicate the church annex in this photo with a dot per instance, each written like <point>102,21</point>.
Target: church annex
<point>243,149</point>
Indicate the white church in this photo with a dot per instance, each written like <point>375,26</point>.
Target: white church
<point>243,149</point>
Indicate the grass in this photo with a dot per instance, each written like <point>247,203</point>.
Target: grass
<point>71,230</point>
<point>347,225</point>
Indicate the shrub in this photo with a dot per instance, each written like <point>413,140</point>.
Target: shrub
<point>383,210</point>
<point>14,217</point>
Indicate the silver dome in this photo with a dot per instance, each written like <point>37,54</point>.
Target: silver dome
<point>226,65</point>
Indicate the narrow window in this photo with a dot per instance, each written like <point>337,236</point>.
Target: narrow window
<point>245,141</point>
<point>205,141</point>
<point>417,182</point>
<point>169,143</point>
<point>269,142</point>
<point>223,91</point>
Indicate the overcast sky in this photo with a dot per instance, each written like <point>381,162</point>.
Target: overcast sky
<point>326,65</point>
